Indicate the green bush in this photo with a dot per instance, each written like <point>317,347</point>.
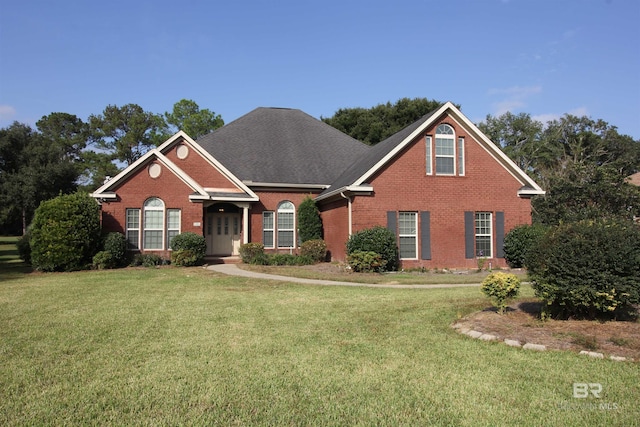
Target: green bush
<point>24,247</point>
<point>500,287</point>
<point>519,241</point>
<point>309,220</point>
<point>185,258</point>
<point>148,260</point>
<point>588,270</point>
<point>192,247</point>
<point>251,251</point>
<point>366,262</point>
<point>116,244</point>
<point>103,260</point>
<point>65,233</point>
<point>379,240</point>
<point>315,249</point>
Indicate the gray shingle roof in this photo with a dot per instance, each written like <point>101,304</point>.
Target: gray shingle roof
<point>279,145</point>
<point>375,154</point>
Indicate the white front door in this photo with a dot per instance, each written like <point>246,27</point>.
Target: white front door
<point>223,233</point>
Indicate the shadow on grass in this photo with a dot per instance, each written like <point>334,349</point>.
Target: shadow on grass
<point>11,266</point>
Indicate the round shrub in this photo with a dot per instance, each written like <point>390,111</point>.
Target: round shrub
<point>192,247</point>
<point>500,287</point>
<point>315,249</point>
<point>65,233</point>
<point>379,240</point>
<point>249,252</point>
<point>366,262</point>
<point>24,247</point>
<point>588,270</point>
<point>519,241</point>
<point>102,260</point>
<point>116,245</point>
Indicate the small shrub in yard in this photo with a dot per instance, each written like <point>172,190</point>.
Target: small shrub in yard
<point>519,241</point>
<point>188,248</point>
<point>315,249</point>
<point>379,240</point>
<point>249,252</point>
<point>501,287</point>
<point>103,260</point>
<point>588,269</point>
<point>366,262</point>
<point>148,260</point>
<point>116,245</point>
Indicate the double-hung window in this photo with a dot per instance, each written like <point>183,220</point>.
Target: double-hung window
<point>173,225</point>
<point>484,235</point>
<point>153,222</point>
<point>267,230</point>
<point>286,225</point>
<point>445,150</point>
<point>408,234</point>
<point>133,228</point>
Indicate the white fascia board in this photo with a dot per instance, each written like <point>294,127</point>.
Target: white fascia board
<point>285,185</point>
<point>530,192</point>
<point>404,143</point>
<point>351,189</point>
<point>125,172</point>
<point>207,156</point>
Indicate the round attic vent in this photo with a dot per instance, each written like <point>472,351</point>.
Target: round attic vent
<point>182,151</point>
<point>154,170</point>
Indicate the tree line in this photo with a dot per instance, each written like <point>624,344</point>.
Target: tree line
<point>65,153</point>
<point>582,163</point>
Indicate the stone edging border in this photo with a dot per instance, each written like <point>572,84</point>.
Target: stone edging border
<point>528,346</point>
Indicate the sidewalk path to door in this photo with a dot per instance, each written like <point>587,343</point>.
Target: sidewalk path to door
<point>233,270</point>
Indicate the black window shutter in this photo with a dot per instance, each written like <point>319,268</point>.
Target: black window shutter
<point>469,235</point>
<point>499,234</point>
<point>425,235</point>
<point>392,222</point>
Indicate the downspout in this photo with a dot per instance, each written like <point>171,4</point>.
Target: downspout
<point>350,215</point>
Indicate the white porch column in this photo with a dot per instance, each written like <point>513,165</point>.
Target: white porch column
<point>245,224</point>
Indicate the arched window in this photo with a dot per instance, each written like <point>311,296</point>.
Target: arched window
<point>153,222</point>
<point>445,150</point>
<point>286,224</point>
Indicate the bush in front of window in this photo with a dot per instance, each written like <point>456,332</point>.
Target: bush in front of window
<point>116,245</point>
<point>315,249</point>
<point>501,288</point>
<point>309,220</point>
<point>65,233</point>
<point>378,239</point>
<point>250,252</point>
<point>103,260</point>
<point>366,262</point>
<point>588,269</point>
<point>148,260</point>
<point>519,241</point>
<point>188,248</point>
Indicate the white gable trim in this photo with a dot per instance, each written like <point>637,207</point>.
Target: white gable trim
<point>457,115</point>
<point>106,191</point>
<point>181,135</point>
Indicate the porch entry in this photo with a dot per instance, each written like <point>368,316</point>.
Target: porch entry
<point>223,229</point>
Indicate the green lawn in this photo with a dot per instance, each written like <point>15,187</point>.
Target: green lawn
<point>173,346</point>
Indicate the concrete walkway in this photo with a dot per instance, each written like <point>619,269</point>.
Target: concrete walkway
<point>233,270</point>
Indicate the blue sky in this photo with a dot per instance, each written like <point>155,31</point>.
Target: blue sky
<point>542,57</point>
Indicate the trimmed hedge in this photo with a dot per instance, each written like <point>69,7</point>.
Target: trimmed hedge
<point>116,245</point>
<point>366,262</point>
<point>315,249</point>
<point>65,233</point>
<point>588,270</point>
<point>379,240</point>
<point>519,241</point>
<point>188,248</point>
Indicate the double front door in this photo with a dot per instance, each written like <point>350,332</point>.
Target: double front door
<point>223,233</point>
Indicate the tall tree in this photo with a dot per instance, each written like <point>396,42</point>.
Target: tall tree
<point>126,132</point>
<point>188,117</point>
<point>35,167</point>
<point>380,122</point>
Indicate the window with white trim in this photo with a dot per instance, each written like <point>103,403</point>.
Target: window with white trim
<point>460,156</point>
<point>408,234</point>
<point>445,150</point>
<point>133,228</point>
<point>428,157</point>
<point>267,229</point>
<point>286,224</point>
<point>484,235</point>
<point>153,223</point>
<point>173,225</point>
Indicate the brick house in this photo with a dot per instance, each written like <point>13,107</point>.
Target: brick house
<point>442,186</point>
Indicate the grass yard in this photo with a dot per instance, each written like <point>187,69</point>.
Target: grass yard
<point>175,346</point>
